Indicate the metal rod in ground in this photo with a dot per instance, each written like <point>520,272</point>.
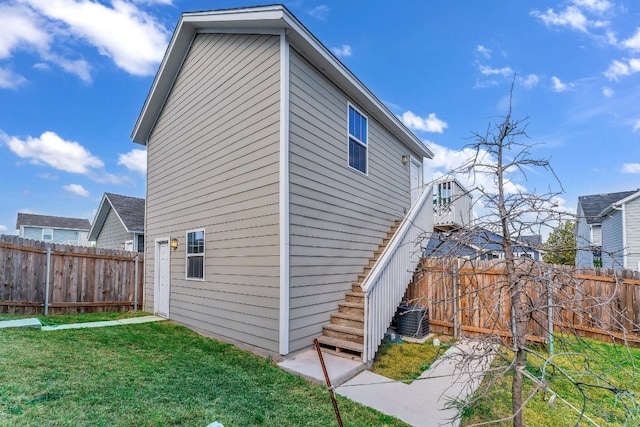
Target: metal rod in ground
<point>328,381</point>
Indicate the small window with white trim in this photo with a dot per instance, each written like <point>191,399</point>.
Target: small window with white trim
<point>47,234</point>
<point>357,140</point>
<point>195,254</point>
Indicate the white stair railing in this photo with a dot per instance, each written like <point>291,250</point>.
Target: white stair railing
<point>387,281</point>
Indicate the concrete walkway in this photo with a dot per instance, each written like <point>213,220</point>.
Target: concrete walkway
<point>424,402</point>
<point>35,323</point>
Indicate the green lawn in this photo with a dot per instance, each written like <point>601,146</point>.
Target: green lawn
<point>601,377</point>
<point>154,374</point>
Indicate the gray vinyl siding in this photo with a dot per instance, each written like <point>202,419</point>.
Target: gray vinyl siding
<point>113,234</point>
<point>612,250</point>
<point>584,255</point>
<point>213,164</point>
<point>338,216</point>
<point>632,224</point>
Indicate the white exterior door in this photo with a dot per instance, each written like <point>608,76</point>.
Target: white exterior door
<point>162,279</point>
<point>416,179</point>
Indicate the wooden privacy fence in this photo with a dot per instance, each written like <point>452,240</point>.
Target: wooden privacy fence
<point>38,277</point>
<point>471,298</point>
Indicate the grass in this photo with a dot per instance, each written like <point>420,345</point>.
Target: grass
<point>154,374</point>
<point>404,360</point>
<point>609,387</point>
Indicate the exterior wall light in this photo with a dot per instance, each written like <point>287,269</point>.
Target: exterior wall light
<point>173,243</point>
<point>405,159</point>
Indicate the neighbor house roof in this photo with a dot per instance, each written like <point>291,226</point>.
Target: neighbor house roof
<point>265,19</point>
<point>47,221</point>
<point>617,204</point>
<point>594,204</point>
<point>129,210</point>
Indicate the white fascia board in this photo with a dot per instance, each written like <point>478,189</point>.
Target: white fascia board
<point>98,221</point>
<point>257,19</point>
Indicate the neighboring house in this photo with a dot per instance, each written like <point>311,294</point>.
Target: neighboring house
<point>452,205</point>
<point>54,229</point>
<point>621,233</point>
<point>119,223</point>
<point>589,226</point>
<point>274,174</point>
<point>480,243</point>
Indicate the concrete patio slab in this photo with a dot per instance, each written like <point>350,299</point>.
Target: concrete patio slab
<point>21,323</point>
<point>129,321</point>
<point>307,365</point>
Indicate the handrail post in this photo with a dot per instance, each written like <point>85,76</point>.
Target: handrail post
<point>135,285</point>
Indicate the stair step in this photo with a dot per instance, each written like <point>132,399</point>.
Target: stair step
<point>355,297</point>
<point>355,287</point>
<point>342,348</point>
<point>345,333</point>
<point>348,319</point>
<point>351,307</point>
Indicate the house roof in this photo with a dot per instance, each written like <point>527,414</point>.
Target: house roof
<point>593,205</point>
<point>47,221</point>
<point>619,203</point>
<point>129,210</point>
<point>275,19</point>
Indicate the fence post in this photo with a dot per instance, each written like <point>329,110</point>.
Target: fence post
<point>455,301</point>
<point>135,286</point>
<point>46,283</point>
<point>550,310</point>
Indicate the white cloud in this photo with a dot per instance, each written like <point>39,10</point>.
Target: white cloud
<point>320,12</point>
<point>619,69</point>
<point>3,228</point>
<point>485,52</point>
<point>570,17</point>
<point>558,85</point>
<point>133,39</point>
<point>10,80</point>
<point>636,125</point>
<point>633,42</point>
<point>345,50</point>
<point>633,168</point>
<point>489,71</point>
<point>598,6</point>
<point>52,150</point>
<point>429,124</point>
<point>21,28</point>
<point>530,81</point>
<point>77,190</point>
<point>607,92</point>
<point>134,160</point>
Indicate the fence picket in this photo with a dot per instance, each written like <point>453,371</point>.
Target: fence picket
<point>81,279</point>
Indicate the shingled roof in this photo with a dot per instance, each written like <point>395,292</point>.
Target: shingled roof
<point>47,221</point>
<point>130,211</point>
<point>593,204</point>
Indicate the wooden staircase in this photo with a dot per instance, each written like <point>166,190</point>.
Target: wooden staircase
<point>344,336</point>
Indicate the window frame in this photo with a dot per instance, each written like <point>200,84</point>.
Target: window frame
<point>43,233</point>
<point>194,254</point>
<point>357,140</point>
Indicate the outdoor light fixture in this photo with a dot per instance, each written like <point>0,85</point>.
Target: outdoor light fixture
<point>405,159</point>
<point>173,243</point>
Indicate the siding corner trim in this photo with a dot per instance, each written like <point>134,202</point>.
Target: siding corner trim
<point>284,195</point>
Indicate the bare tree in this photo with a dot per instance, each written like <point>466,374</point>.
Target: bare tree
<point>544,301</point>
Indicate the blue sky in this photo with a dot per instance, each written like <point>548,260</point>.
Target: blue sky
<point>74,75</point>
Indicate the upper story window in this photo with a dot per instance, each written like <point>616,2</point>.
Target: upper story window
<point>195,254</point>
<point>357,140</point>
<point>47,234</point>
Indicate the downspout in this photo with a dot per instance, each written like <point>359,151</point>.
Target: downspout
<point>284,195</point>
